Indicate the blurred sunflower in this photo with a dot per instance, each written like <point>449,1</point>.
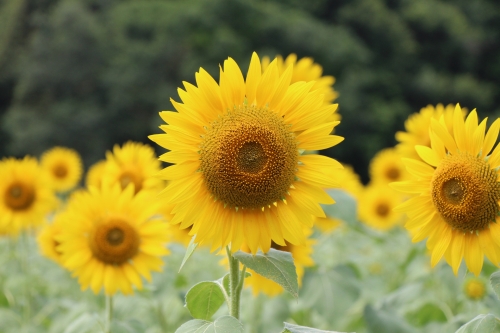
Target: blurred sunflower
<point>417,128</point>
<point>64,167</point>
<point>376,206</point>
<point>456,192</point>
<point>134,163</point>
<point>111,238</point>
<point>386,166</point>
<point>236,149</point>
<point>301,258</point>
<point>475,289</point>
<point>95,174</point>
<point>26,194</point>
<point>47,242</point>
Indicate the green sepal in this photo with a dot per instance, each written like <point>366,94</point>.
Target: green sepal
<point>189,251</point>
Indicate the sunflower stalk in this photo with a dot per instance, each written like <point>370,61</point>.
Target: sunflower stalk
<point>25,266</point>
<point>109,314</point>
<point>236,279</point>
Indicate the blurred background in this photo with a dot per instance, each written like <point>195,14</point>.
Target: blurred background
<point>88,74</point>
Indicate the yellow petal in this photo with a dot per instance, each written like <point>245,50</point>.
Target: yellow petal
<point>456,250</point>
<point>444,236</point>
<point>444,135</point>
<point>491,137</point>
<point>253,78</point>
<point>178,171</point>
<point>428,155</point>
<point>478,138</point>
<point>411,186</point>
<point>417,168</point>
<point>459,128</point>
<point>473,254</point>
<point>281,88</point>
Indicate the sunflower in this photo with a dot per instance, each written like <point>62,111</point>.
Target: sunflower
<point>376,207</point>
<point>26,194</point>
<point>386,166</point>
<point>236,149</point>
<point>112,237</point>
<point>456,192</point>
<point>47,242</point>
<point>134,163</point>
<point>417,128</point>
<point>64,167</point>
<point>301,255</point>
<point>475,289</point>
<point>95,174</point>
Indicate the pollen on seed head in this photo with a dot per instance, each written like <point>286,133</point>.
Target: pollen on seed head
<point>249,158</point>
<point>465,192</point>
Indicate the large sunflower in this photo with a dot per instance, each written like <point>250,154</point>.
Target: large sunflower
<point>134,163</point>
<point>238,173</point>
<point>111,237</point>
<point>417,128</point>
<point>64,167</point>
<point>26,196</point>
<point>456,192</point>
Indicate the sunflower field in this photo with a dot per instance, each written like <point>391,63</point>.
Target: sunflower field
<point>233,166</point>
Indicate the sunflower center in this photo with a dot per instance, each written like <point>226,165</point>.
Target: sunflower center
<point>249,158</point>
<point>465,192</point>
<point>19,196</point>
<point>130,177</point>
<point>60,171</point>
<point>382,209</point>
<point>114,242</point>
<point>393,174</point>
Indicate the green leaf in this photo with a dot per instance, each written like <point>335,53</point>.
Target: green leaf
<point>225,324</point>
<point>481,324</point>
<point>189,251</point>
<point>204,299</point>
<point>274,265</point>
<point>290,328</point>
<point>378,321</point>
<point>345,207</point>
<point>429,312</point>
<point>331,293</point>
<point>495,283</point>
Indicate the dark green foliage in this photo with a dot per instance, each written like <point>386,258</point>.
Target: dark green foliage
<point>89,74</point>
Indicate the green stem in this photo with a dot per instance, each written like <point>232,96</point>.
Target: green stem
<point>109,314</point>
<point>235,284</point>
<point>26,271</point>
